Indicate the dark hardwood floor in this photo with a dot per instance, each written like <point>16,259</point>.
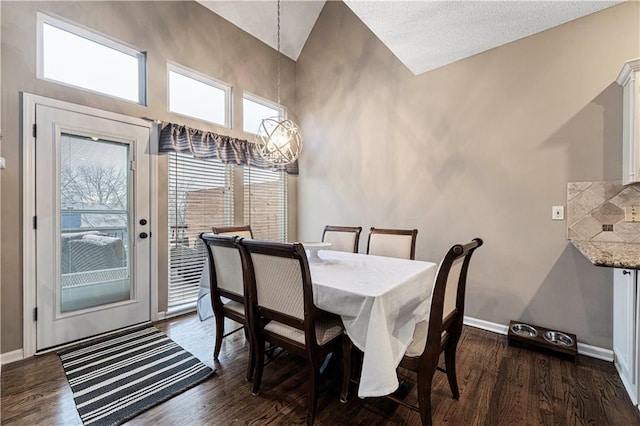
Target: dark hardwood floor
<point>499,385</point>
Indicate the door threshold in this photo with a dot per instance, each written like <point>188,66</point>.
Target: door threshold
<point>89,339</point>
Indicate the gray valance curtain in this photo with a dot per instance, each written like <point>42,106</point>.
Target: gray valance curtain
<point>179,138</point>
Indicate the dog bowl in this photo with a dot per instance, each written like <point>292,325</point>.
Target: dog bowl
<point>524,330</point>
<point>558,338</point>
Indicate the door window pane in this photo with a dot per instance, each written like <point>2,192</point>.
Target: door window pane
<point>94,222</point>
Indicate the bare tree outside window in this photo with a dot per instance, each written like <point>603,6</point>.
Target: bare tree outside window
<point>93,185</point>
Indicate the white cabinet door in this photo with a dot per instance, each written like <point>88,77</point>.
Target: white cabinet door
<point>625,324</point>
<point>629,79</point>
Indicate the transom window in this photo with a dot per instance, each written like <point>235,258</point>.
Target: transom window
<point>81,58</point>
<point>199,96</point>
<point>255,109</point>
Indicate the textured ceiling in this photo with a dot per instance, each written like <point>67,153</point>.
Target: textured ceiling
<point>429,34</point>
<point>259,18</point>
<point>423,34</point>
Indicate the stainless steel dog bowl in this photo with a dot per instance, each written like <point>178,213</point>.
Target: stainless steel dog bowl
<point>558,338</point>
<point>524,330</point>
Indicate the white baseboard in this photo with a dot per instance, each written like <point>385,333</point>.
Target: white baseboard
<point>595,352</point>
<point>583,348</point>
<point>486,325</point>
<point>12,356</point>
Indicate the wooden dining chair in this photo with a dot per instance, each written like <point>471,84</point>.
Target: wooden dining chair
<point>282,312</point>
<point>243,231</point>
<point>342,238</point>
<point>227,280</point>
<point>441,332</point>
<point>399,243</point>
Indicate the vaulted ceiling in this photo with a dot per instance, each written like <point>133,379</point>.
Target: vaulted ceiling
<point>422,34</point>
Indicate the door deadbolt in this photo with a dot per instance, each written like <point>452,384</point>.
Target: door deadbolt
<point>143,221</point>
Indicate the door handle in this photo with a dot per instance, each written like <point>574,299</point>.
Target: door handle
<point>143,235</point>
<point>625,272</point>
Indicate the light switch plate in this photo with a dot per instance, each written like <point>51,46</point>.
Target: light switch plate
<point>557,212</point>
<point>632,214</point>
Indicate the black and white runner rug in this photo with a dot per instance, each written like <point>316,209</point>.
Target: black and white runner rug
<point>117,378</point>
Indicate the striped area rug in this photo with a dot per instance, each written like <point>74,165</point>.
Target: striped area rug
<point>117,378</point>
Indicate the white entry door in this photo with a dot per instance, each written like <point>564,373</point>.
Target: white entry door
<point>92,225</point>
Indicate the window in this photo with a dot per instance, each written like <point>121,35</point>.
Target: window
<point>200,196</point>
<point>77,57</point>
<point>265,203</point>
<point>198,96</point>
<point>255,109</point>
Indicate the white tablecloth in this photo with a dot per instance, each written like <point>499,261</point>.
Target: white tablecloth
<point>380,300</point>
<point>205,309</point>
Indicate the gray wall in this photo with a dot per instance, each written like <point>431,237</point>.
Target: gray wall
<point>479,148</point>
<point>182,32</point>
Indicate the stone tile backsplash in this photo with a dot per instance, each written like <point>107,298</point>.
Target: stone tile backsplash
<point>590,205</point>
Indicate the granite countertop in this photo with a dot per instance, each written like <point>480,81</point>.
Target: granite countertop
<point>615,255</point>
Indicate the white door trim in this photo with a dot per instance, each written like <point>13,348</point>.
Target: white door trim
<point>29,102</point>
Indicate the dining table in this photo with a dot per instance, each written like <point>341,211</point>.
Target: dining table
<point>380,300</point>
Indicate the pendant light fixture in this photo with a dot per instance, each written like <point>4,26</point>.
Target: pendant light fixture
<point>278,139</point>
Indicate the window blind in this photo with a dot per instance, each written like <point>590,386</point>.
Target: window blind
<point>265,203</point>
<point>200,195</point>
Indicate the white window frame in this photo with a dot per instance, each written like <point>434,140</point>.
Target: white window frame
<point>80,31</point>
<point>282,110</point>
<point>208,80</point>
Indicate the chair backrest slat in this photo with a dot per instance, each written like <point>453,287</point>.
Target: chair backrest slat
<point>400,243</point>
<point>342,238</point>
<point>228,269</point>
<point>279,287</point>
<point>449,294</point>
<point>242,231</point>
<point>226,274</point>
<point>451,290</point>
<point>279,284</point>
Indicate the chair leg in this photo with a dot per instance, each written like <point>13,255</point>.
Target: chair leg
<point>425,380</point>
<point>252,358</point>
<point>424,400</point>
<point>346,367</point>
<point>312,397</point>
<point>258,364</point>
<point>219,335</point>
<point>450,364</point>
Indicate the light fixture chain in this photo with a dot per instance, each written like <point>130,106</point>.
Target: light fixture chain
<point>278,60</point>
<point>278,139</point>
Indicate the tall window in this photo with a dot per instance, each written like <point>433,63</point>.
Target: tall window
<point>200,196</point>
<point>198,96</point>
<point>255,109</point>
<point>265,203</point>
<point>77,57</point>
